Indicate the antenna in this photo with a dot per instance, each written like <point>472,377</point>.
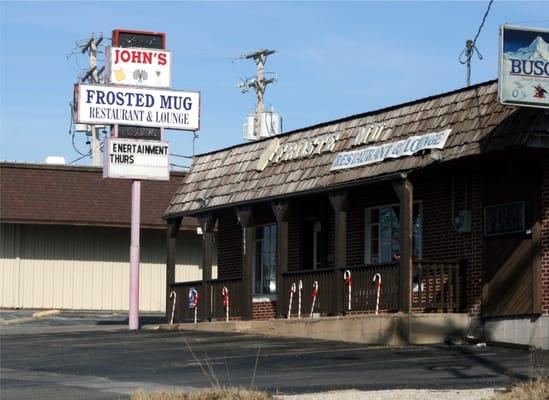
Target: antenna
<point>258,83</point>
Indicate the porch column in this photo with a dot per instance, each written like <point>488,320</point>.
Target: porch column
<point>171,245</point>
<point>405,190</point>
<point>207,224</point>
<point>244,215</point>
<point>280,210</point>
<point>339,203</point>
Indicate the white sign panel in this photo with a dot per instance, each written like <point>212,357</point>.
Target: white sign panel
<point>109,105</point>
<point>139,67</point>
<point>136,159</point>
<point>524,66</point>
<point>401,148</point>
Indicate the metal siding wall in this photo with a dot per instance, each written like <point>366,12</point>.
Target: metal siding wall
<point>86,268</point>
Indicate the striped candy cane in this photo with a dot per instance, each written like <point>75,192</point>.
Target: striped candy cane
<point>300,288</point>
<point>292,291</point>
<point>378,288</point>
<point>174,295</point>
<point>225,293</point>
<point>349,281</point>
<point>314,295</point>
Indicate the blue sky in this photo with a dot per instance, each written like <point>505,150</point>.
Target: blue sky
<point>333,59</point>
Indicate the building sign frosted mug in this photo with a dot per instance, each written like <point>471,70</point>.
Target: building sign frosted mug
<point>524,66</point>
<point>138,67</point>
<point>109,105</point>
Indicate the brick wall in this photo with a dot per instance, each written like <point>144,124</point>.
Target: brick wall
<point>264,310</point>
<point>545,239</point>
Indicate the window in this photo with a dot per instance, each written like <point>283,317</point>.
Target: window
<point>265,267</point>
<point>382,233</point>
<point>317,245</point>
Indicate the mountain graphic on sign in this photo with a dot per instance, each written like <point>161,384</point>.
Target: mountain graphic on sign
<point>538,50</point>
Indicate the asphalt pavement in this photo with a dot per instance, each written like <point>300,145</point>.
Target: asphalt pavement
<point>67,360</point>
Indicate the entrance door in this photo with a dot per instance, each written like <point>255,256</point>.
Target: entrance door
<point>511,236</point>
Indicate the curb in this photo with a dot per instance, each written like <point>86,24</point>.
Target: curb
<point>36,316</point>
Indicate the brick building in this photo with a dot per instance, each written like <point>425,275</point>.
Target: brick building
<point>447,198</point>
<point>64,239</point>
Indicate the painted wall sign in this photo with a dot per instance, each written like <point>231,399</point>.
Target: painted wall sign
<point>138,67</point>
<point>109,105</point>
<point>136,159</point>
<point>401,148</point>
<point>524,66</point>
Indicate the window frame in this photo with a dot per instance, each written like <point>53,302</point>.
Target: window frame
<point>274,240</point>
<point>367,256</point>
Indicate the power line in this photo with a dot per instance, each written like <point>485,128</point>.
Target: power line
<point>470,46</point>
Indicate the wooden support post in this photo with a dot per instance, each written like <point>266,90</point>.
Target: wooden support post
<point>405,190</point>
<point>207,224</point>
<point>244,215</point>
<point>280,210</point>
<point>339,204</point>
<point>171,244</point>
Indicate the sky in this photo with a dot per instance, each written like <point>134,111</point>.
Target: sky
<point>332,60</point>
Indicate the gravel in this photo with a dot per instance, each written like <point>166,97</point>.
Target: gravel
<point>404,394</point>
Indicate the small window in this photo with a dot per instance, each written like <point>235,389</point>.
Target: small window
<point>382,233</point>
<point>265,262</point>
<point>317,245</point>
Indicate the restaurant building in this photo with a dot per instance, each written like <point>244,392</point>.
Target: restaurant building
<point>447,198</point>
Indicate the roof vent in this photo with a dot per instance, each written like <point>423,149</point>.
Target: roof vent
<point>55,160</point>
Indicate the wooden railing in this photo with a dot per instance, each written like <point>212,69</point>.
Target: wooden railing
<point>182,311</point>
<point>363,288</point>
<point>436,285</point>
<point>324,302</point>
<point>234,287</point>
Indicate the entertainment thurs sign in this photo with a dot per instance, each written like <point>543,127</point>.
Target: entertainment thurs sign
<point>524,66</point>
<point>110,105</point>
<point>136,159</point>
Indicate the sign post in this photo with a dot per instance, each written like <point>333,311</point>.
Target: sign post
<point>134,256</point>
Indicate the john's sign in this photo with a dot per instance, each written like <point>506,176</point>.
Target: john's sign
<point>139,67</point>
<point>524,66</point>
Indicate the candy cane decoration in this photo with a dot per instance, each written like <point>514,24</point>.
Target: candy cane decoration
<point>348,281</point>
<point>225,293</point>
<point>300,288</point>
<point>314,295</point>
<point>378,288</point>
<point>292,291</point>
<point>173,307</point>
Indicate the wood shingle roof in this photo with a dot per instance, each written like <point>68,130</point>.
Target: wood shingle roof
<point>479,123</point>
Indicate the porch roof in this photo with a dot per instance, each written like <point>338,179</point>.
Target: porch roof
<point>243,174</point>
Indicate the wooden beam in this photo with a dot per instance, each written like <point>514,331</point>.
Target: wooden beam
<point>171,251</point>
<point>405,192</point>
<point>245,215</point>
<point>280,210</point>
<point>207,224</point>
<point>339,204</point>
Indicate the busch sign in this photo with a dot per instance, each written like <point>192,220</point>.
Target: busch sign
<point>524,66</point>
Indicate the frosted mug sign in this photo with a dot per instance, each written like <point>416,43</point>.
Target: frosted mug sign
<point>524,66</point>
<point>136,159</point>
<point>139,67</point>
<point>109,105</point>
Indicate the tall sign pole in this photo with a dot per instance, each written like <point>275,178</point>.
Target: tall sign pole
<point>139,104</point>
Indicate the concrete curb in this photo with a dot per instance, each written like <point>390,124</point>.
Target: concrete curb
<point>36,316</point>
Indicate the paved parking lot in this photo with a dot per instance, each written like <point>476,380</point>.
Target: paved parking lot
<point>68,361</point>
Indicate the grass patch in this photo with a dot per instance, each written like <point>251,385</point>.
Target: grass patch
<point>222,394</point>
<point>537,389</point>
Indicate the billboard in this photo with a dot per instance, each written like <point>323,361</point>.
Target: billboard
<point>524,66</point>
<point>136,159</point>
<point>138,67</point>
<point>111,105</point>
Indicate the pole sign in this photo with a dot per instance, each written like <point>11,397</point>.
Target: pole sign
<point>524,66</point>
<point>138,67</point>
<point>136,159</point>
<point>110,105</point>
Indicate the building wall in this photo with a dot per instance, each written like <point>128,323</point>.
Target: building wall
<point>545,239</point>
<point>76,267</point>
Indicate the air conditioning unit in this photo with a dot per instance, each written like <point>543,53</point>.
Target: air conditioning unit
<point>248,131</point>
<point>270,124</point>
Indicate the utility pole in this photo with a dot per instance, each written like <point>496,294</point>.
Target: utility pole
<point>92,76</point>
<point>259,83</point>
